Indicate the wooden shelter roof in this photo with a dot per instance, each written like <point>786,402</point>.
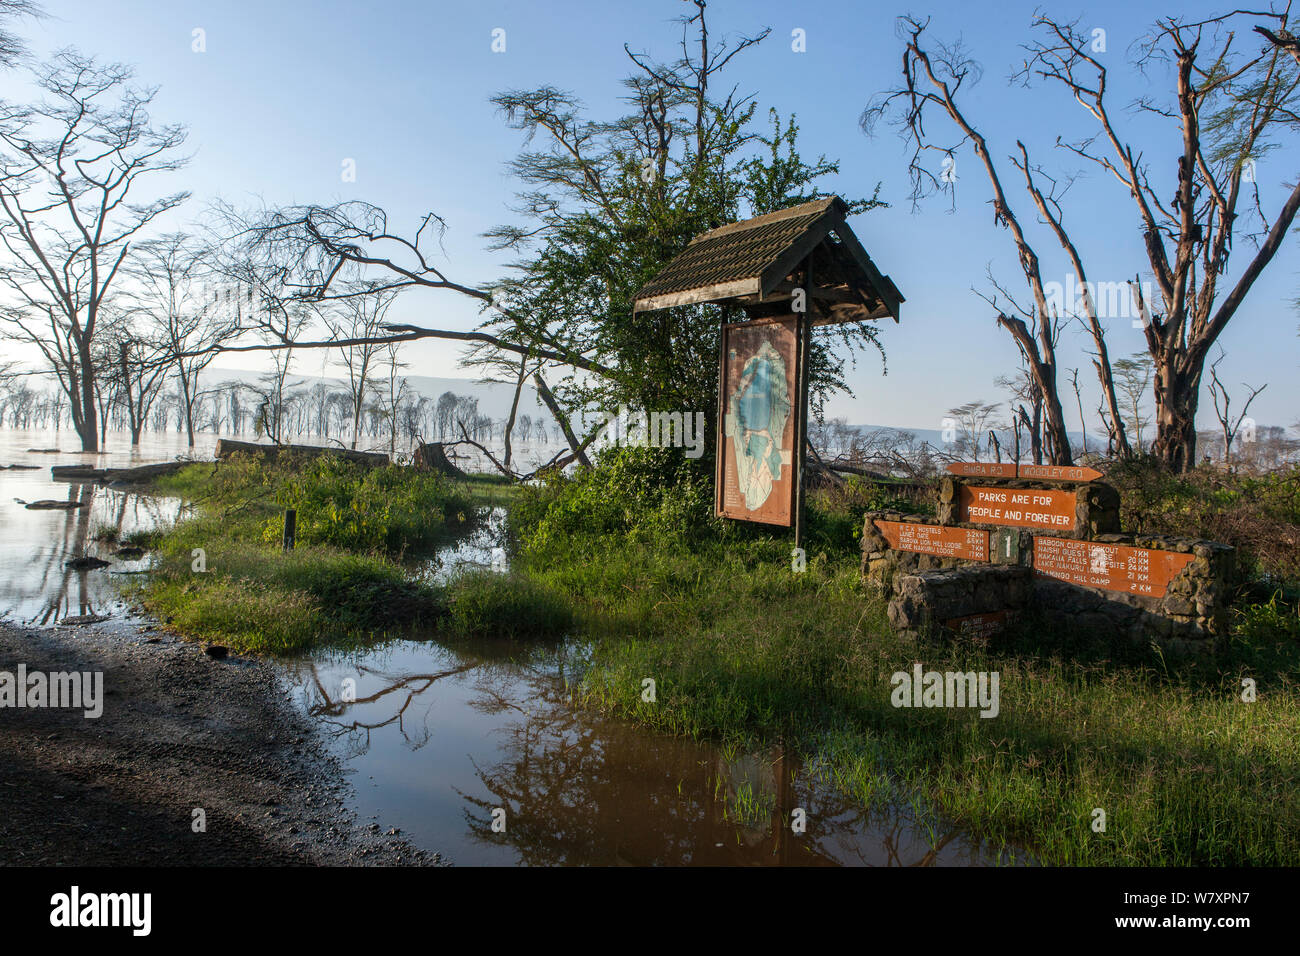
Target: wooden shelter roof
<point>755,264</point>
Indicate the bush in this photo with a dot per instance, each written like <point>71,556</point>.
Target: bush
<point>350,505</point>
<point>643,494</point>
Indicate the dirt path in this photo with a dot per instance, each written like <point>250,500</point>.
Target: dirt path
<point>179,731</point>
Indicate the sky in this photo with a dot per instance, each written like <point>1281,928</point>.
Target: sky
<point>284,92</point>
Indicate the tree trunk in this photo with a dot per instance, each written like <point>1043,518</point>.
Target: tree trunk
<point>1177,398</point>
<point>88,427</point>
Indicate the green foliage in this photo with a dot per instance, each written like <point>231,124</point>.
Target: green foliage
<point>342,582</point>
<point>741,648</point>
<point>485,604</point>
<point>353,506</point>
<point>343,503</point>
<point>1259,515</point>
<point>611,201</point>
<point>643,494</point>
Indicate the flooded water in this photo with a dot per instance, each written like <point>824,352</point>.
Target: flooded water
<point>36,586</point>
<point>441,739</point>
<point>474,751</point>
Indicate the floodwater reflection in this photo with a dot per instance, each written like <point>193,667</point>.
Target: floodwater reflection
<point>442,739</point>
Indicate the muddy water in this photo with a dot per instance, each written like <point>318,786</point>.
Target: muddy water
<point>442,740</point>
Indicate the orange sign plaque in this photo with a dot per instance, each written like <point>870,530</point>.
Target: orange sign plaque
<point>979,625</point>
<point>936,539</point>
<point>1112,567</point>
<point>1018,507</point>
<point>1059,472</point>
<point>983,469</point>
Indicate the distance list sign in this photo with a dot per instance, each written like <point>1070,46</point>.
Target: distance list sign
<point>1112,567</point>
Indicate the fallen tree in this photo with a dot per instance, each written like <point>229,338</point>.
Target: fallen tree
<point>229,446</point>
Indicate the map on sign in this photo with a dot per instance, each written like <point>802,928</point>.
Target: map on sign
<point>756,450</point>
<point>1112,567</point>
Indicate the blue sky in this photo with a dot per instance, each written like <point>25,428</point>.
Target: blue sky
<point>288,89</point>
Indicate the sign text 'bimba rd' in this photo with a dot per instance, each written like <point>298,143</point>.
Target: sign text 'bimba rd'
<point>997,469</point>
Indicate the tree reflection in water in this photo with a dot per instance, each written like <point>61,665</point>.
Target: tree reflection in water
<point>54,591</point>
<point>579,788</point>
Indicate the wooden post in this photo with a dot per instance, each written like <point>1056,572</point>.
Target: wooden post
<point>290,528</point>
<point>803,326</point>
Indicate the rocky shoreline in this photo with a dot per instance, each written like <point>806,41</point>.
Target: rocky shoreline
<point>180,731</point>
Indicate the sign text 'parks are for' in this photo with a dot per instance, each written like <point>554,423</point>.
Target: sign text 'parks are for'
<point>1018,507</point>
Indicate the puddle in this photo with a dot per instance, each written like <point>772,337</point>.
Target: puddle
<point>437,738</point>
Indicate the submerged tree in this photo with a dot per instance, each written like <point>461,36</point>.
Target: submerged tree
<point>71,167</point>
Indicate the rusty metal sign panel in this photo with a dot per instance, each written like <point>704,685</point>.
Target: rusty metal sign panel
<point>979,625</point>
<point>982,469</point>
<point>1018,507</point>
<point>1112,567</point>
<point>935,539</point>
<point>1059,472</point>
<point>758,406</point>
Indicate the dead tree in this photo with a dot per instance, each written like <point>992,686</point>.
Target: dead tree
<point>1227,107</point>
<point>1222,409</point>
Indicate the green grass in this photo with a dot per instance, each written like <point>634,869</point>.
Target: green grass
<point>345,582</point>
<point>743,649</point>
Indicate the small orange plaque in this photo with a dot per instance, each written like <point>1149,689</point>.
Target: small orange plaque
<point>936,539</point>
<point>979,625</point>
<point>1059,472</point>
<point>1018,507</point>
<point>1112,567</point>
<point>982,469</point>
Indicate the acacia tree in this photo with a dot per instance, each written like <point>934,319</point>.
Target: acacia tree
<point>1227,108</point>
<point>70,169</point>
<point>359,320</point>
<point>1133,378</point>
<point>605,203</point>
<point>188,317</point>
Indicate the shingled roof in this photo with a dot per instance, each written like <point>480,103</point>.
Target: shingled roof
<point>753,264</point>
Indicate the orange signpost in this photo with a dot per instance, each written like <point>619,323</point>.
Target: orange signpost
<point>995,469</point>
<point>982,469</point>
<point>1113,567</point>
<point>1018,507</point>
<point>1059,472</point>
<point>936,539</point>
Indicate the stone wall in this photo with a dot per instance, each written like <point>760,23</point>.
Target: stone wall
<point>882,564</point>
<point>925,590</point>
<point>932,599</point>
